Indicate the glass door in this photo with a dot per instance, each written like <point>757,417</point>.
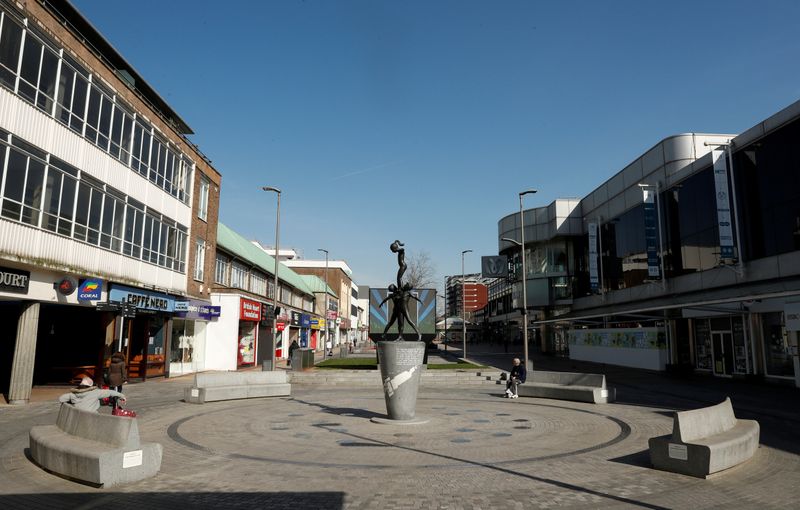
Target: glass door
<point>722,342</point>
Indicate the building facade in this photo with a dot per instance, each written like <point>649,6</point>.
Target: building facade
<point>98,198</point>
<point>244,289</point>
<point>689,258</point>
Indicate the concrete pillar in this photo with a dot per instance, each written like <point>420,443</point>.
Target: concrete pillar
<point>19,391</point>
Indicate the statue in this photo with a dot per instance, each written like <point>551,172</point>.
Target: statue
<point>397,247</point>
<point>400,362</point>
<point>400,299</point>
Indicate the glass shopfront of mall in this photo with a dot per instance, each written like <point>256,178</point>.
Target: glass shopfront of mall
<point>721,346</point>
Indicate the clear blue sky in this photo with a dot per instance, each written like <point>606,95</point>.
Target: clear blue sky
<point>421,121</point>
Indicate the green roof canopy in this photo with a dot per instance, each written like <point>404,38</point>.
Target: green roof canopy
<point>243,249</point>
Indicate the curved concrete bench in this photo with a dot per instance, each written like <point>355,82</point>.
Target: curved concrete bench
<point>567,386</point>
<point>213,386</point>
<point>100,449</point>
<point>705,441</point>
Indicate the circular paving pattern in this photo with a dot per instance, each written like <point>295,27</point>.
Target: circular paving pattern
<point>491,434</point>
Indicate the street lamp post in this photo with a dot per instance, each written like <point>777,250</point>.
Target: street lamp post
<point>464,307</point>
<point>327,334</point>
<point>275,295</point>
<point>524,279</point>
<point>445,314</point>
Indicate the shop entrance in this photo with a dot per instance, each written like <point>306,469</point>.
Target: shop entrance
<point>143,346</point>
<point>70,344</point>
<point>723,352</point>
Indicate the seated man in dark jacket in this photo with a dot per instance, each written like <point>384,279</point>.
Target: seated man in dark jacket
<point>517,377</point>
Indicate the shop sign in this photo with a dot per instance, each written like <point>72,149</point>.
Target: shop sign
<point>14,280</point>
<point>305,320</point>
<point>332,315</point>
<point>296,319</point>
<point>142,299</point>
<point>90,289</point>
<point>196,309</point>
<point>250,310</point>
<point>314,323</point>
<point>66,285</point>
<point>280,326</point>
<point>791,312</point>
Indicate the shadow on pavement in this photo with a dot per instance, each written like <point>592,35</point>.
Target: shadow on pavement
<point>639,459</point>
<point>173,500</point>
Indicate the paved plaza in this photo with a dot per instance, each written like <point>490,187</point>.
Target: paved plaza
<point>319,449</point>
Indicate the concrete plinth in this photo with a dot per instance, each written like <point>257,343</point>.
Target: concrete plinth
<point>400,369</point>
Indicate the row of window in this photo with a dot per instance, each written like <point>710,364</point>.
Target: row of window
<point>40,190</point>
<point>239,276</point>
<point>48,78</point>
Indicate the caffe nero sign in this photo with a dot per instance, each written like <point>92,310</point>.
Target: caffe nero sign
<point>14,280</point>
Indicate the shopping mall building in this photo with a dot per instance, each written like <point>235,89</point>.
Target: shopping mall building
<point>687,259</point>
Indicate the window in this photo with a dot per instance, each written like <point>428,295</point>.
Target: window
<point>10,46</point>
<point>199,259</point>
<point>238,276</point>
<point>258,284</point>
<point>41,73</point>
<point>202,206</point>
<point>24,168</point>
<point>221,270</point>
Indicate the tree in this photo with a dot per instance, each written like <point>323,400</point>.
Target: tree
<point>421,270</point>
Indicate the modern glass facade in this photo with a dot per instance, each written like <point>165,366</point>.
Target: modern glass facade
<point>42,191</point>
<point>43,74</point>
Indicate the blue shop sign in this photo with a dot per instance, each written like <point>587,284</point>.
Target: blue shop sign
<point>142,299</point>
<point>196,309</point>
<point>90,289</point>
<point>305,320</point>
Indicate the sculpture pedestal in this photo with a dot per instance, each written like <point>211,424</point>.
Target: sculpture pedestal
<point>401,363</point>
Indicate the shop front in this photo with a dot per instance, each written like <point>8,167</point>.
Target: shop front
<point>188,339</point>
<point>307,340</point>
<point>249,318</point>
<point>143,328</point>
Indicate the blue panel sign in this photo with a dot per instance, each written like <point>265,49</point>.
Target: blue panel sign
<point>142,299</point>
<point>651,235</point>
<point>196,309</point>
<point>303,338</point>
<point>90,289</point>
<point>305,320</point>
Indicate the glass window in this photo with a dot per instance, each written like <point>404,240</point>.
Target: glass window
<point>200,259</point>
<point>221,270</point>
<point>10,45</point>
<point>202,212</point>
<point>238,276</point>
<point>29,71</point>
<point>777,356</point>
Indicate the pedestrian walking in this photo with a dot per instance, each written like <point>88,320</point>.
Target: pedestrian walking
<point>117,374</point>
<point>517,377</point>
<point>292,347</point>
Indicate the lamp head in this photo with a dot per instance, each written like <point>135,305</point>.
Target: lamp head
<point>528,192</point>
<point>271,188</point>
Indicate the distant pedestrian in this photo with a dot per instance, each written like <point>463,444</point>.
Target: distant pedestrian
<point>517,377</point>
<point>292,347</point>
<point>117,374</point>
<point>87,396</point>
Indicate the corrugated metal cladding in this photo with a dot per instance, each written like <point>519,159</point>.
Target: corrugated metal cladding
<point>42,131</point>
<point>43,249</point>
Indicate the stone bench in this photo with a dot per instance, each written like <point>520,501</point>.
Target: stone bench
<point>99,449</point>
<point>705,441</point>
<point>213,386</point>
<point>567,386</point>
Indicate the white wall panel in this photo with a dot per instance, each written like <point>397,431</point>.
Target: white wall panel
<point>48,134</point>
<point>41,248</point>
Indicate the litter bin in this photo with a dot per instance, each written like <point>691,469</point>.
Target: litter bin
<point>302,359</point>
